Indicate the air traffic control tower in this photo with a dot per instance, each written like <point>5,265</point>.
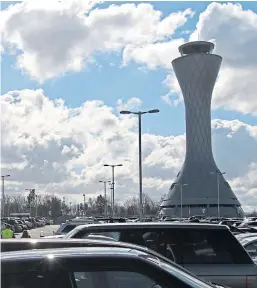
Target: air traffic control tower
<point>200,188</point>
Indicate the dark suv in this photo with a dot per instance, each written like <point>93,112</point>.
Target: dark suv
<point>210,251</point>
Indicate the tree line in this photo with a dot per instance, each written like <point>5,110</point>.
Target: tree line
<point>53,206</point>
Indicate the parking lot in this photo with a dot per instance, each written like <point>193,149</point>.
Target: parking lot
<point>46,231</point>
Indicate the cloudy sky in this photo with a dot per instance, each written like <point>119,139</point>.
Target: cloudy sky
<point>69,67</point>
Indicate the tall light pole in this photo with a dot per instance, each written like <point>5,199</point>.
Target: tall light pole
<point>139,114</point>
<point>113,166</point>
<point>181,198</point>
<point>36,204</point>
<point>3,195</point>
<point>218,174</point>
<point>111,193</point>
<point>84,196</point>
<point>105,199</point>
<point>30,202</point>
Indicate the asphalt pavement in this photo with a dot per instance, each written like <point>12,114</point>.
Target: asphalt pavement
<point>46,231</point>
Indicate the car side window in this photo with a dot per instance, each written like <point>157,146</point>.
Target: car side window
<point>114,235</point>
<point>35,280</point>
<point>114,279</point>
<point>68,228</point>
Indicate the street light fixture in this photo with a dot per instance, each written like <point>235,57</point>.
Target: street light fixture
<point>218,174</point>
<point>105,204</point>
<point>139,114</point>
<point>3,195</point>
<point>181,198</point>
<point>113,166</point>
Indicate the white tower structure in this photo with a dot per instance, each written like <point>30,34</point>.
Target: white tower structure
<point>200,187</point>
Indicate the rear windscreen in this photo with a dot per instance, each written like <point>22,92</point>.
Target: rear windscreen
<point>205,246</point>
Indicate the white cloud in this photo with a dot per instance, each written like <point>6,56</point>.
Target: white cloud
<point>62,150</point>
<point>131,104</point>
<point>53,39</point>
<point>153,55</point>
<point>234,32</point>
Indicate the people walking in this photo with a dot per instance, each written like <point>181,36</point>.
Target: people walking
<point>7,233</point>
<point>25,234</point>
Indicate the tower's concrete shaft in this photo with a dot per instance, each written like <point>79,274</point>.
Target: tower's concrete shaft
<point>196,71</point>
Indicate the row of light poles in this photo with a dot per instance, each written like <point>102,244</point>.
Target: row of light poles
<point>218,174</point>
<point>112,184</point>
<point>105,196</point>
<point>139,114</point>
<point>3,195</point>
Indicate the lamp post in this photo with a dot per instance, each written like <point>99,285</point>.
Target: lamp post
<point>113,166</point>
<point>105,199</point>
<point>3,195</point>
<point>218,174</point>
<point>36,205</point>
<point>70,209</point>
<point>139,114</point>
<point>181,198</point>
<point>30,202</point>
<point>84,199</point>
<point>111,192</point>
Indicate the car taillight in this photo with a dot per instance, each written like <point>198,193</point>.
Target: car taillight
<point>251,281</point>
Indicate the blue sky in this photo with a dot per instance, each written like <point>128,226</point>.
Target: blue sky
<point>110,83</point>
<point>44,147</point>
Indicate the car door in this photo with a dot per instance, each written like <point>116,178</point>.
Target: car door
<point>125,273</point>
<point>104,271</point>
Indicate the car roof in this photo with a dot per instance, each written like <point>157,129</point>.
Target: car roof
<point>245,235</point>
<point>68,242</point>
<point>69,252</point>
<point>140,225</point>
<point>247,240</point>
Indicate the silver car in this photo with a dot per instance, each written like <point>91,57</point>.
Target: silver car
<point>250,245</point>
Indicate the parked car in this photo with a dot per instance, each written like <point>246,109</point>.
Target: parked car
<point>250,245</point>
<point>33,223</point>
<point>17,227</point>
<point>65,228</point>
<point>22,224</point>
<point>5,224</point>
<point>39,223</point>
<point>27,222</point>
<point>94,267</point>
<point>48,222</point>
<point>210,251</point>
